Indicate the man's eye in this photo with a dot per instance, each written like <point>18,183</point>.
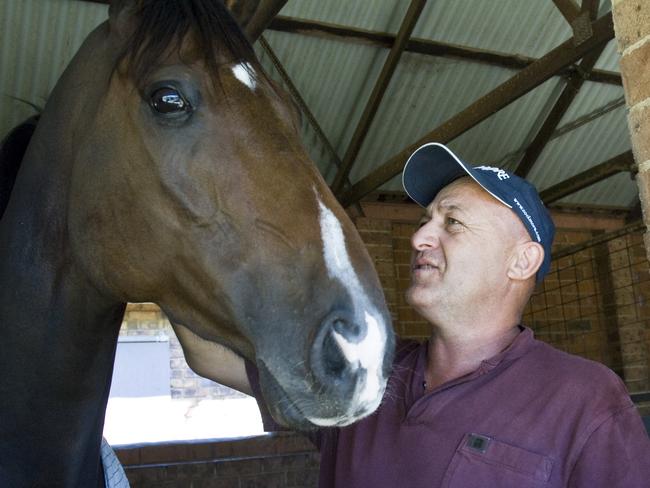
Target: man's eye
<point>452,221</point>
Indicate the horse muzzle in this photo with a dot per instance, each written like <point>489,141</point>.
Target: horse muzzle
<point>348,365</point>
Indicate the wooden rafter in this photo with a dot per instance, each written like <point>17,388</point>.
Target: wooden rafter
<point>254,16</point>
<point>591,6</point>
<point>568,8</point>
<point>387,71</point>
<point>615,165</point>
<point>560,108</point>
<point>578,18</point>
<point>423,46</point>
<point>589,9</point>
<point>506,93</point>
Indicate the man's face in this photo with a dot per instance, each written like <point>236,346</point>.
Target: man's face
<point>461,251</point>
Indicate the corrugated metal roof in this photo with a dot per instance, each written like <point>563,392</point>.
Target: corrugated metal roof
<point>335,77</point>
<point>37,40</point>
<point>378,15</point>
<point>485,25</point>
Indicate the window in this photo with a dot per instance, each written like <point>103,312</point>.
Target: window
<point>155,397</point>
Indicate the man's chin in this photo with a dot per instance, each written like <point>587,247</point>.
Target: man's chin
<point>418,295</point>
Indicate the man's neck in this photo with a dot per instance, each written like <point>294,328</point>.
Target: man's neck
<point>454,354</point>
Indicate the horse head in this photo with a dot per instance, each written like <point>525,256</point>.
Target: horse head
<point>190,189</point>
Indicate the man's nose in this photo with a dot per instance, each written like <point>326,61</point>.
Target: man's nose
<point>426,237</point>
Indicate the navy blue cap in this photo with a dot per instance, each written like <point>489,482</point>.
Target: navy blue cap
<point>433,166</point>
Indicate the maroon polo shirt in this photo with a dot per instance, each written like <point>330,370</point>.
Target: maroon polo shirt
<point>532,416</point>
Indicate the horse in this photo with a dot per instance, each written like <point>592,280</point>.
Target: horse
<point>166,167</point>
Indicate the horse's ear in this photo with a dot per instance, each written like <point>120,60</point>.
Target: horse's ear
<point>254,16</point>
<point>121,18</point>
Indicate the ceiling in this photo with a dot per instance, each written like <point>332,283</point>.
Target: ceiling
<point>502,82</point>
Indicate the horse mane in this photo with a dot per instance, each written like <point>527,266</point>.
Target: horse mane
<point>12,151</point>
<point>161,25</point>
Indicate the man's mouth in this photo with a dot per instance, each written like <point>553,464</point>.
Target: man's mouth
<point>418,267</point>
<point>424,264</point>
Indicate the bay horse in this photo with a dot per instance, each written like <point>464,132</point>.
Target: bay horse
<point>167,168</point>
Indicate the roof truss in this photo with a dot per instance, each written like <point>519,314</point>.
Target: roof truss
<point>506,93</point>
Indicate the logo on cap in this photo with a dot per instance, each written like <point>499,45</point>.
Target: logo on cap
<point>529,218</point>
<point>501,174</point>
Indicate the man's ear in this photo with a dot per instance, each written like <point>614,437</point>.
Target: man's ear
<point>526,260</point>
<point>121,17</point>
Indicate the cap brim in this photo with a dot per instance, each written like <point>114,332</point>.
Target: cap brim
<point>432,167</point>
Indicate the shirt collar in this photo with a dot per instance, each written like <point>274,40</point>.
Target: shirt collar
<point>517,348</point>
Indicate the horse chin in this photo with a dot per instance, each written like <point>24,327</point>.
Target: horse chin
<point>299,413</point>
<point>282,408</point>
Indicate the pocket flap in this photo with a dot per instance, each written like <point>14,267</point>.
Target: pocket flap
<point>518,459</point>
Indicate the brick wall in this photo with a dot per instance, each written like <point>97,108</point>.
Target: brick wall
<point>282,460</point>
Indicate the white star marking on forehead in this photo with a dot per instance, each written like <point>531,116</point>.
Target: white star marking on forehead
<point>243,73</point>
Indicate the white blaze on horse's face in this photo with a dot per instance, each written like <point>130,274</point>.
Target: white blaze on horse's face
<point>243,73</point>
<point>368,353</point>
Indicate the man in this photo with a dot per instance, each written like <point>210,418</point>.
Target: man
<point>482,403</point>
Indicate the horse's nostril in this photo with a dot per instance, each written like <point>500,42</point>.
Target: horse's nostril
<point>335,352</point>
<point>351,331</point>
<point>333,362</point>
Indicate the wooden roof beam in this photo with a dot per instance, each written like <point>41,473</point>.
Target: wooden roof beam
<point>615,165</point>
<point>423,46</point>
<point>560,108</point>
<point>568,9</point>
<point>591,7</point>
<point>506,93</point>
<point>578,18</point>
<point>254,16</point>
<point>387,71</point>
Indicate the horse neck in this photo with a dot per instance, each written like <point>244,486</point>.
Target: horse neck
<point>59,333</point>
<point>57,346</point>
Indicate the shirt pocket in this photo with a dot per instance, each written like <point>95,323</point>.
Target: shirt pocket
<point>481,461</point>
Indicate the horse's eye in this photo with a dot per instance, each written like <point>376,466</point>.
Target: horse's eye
<point>168,100</point>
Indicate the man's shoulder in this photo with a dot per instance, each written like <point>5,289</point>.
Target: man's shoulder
<point>576,373</point>
<point>566,361</point>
